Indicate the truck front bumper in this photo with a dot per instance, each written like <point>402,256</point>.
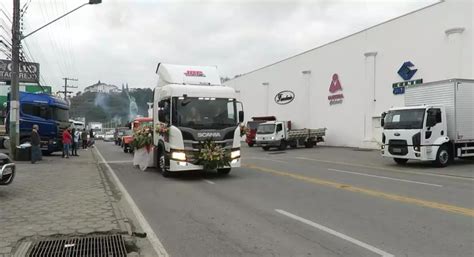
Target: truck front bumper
<point>267,143</point>
<point>425,153</point>
<point>176,166</point>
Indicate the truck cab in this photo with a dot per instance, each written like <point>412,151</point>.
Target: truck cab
<point>417,133</point>
<point>192,106</point>
<point>252,128</point>
<point>272,133</point>
<point>50,113</point>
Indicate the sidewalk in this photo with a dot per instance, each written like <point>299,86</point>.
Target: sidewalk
<point>58,196</point>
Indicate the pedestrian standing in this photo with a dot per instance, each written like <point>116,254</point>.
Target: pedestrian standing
<point>75,142</point>
<point>35,145</point>
<point>67,140</point>
<point>84,139</point>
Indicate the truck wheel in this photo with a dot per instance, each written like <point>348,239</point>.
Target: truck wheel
<point>282,145</point>
<point>309,144</point>
<point>250,144</point>
<point>162,165</point>
<point>265,148</point>
<point>125,150</point>
<point>224,171</point>
<point>400,161</point>
<point>443,156</point>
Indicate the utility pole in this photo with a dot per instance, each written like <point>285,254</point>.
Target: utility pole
<point>15,86</point>
<point>66,86</point>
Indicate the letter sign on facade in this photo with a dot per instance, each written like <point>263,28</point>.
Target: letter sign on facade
<point>284,97</point>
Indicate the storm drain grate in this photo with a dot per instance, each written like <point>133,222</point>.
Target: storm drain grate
<point>92,246</point>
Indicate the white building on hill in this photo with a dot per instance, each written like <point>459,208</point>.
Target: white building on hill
<point>100,87</point>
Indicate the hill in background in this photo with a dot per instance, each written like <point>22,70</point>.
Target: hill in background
<point>111,107</point>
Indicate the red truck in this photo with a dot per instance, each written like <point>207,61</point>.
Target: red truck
<point>135,124</point>
<point>253,125</point>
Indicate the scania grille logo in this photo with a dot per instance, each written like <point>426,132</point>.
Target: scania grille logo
<point>209,134</point>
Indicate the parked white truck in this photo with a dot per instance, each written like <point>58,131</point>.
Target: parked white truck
<point>279,134</point>
<point>194,106</point>
<point>437,123</point>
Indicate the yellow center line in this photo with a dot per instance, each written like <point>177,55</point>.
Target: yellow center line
<point>387,169</point>
<point>393,197</point>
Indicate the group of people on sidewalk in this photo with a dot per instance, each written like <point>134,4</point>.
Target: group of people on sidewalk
<point>71,139</point>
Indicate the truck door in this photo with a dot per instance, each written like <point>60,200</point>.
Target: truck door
<point>280,133</point>
<point>435,126</point>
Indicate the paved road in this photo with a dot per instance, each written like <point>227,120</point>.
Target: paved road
<point>307,202</point>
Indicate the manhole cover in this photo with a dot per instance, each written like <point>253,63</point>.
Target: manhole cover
<point>276,152</point>
<point>91,246</point>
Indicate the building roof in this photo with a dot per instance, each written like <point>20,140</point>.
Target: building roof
<point>100,84</point>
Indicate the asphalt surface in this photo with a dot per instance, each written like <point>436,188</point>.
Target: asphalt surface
<point>323,201</point>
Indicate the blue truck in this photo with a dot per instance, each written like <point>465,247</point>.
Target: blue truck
<point>50,113</point>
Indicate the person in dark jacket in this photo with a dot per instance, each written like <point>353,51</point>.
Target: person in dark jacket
<point>35,145</point>
<point>84,139</point>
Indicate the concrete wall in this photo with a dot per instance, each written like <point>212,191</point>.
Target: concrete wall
<point>437,39</point>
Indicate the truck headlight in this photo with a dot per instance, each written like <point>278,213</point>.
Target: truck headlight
<point>272,138</point>
<point>178,156</point>
<point>235,154</point>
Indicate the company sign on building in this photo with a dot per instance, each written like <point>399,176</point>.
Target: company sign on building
<point>29,71</point>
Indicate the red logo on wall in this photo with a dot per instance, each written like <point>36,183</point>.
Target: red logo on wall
<point>333,88</point>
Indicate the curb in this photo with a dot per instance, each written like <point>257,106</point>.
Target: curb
<point>150,234</point>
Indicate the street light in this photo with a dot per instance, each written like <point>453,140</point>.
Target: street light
<point>62,16</point>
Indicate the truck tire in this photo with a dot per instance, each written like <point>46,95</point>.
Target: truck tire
<point>443,156</point>
<point>250,144</point>
<point>282,146</point>
<point>266,148</point>
<point>125,150</point>
<point>309,144</point>
<point>161,164</point>
<point>400,161</point>
<point>224,171</point>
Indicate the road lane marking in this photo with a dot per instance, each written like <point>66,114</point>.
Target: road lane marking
<point>387,169</point>
<point>209,182</point>
<point>130,161</point>
<point>335,233</point>
<point>151,235</point>
<point>383,177</point>
<point>379,194</point>
<point>265,159</point>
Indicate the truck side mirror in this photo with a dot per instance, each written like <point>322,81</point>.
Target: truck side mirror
<point>382,119</point>
<point>241,116</point>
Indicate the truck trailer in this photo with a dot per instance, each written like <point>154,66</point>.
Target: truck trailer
<point>436,124</point>
<point>195,107</point>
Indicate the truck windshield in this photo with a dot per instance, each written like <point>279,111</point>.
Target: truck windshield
<point>253,124</point>
<point>405,119</point>
<point>266,129</point>
<point>60,114</point>
<point>204,113</point>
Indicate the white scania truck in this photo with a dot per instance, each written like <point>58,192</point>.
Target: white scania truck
<point>196,107</point>
<point>437,123</point>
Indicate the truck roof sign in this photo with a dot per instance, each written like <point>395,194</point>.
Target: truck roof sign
<point>185,74</point>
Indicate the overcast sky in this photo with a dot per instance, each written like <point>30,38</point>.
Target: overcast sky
<point>122,41</point>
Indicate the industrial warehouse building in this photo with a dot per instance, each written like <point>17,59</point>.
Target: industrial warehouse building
<point>345,85</point>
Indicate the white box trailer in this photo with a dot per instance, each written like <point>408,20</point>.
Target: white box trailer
<point>436,124</point>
